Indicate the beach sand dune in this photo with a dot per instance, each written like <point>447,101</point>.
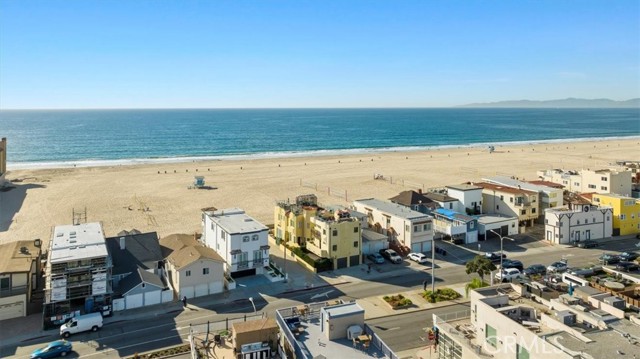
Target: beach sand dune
<point>148,199</point>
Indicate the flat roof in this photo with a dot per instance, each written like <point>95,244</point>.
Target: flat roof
<point>453,215</point>
<point>343,309</point>
<point>493,218</point>
<point>15,259</point>
<point>77,242</point>
<point>254,325</point>
<point>506,189</point>
<point>512,182</point>
<point>235,220</point>
<point>464,187</point>
<point>369,235</point>
<point>391,208</point>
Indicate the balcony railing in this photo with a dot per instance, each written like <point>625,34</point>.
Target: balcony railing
<point>10,292</point>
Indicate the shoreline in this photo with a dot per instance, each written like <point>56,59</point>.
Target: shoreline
<point>117,196</point>
<point>291,154</point>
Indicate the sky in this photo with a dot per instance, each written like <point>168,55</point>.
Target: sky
<point>325,53</point>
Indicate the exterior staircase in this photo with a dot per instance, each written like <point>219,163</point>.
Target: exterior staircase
<point>403,251</point>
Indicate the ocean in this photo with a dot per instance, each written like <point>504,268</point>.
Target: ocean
<point>61,138</point>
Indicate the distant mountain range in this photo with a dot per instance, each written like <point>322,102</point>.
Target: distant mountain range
<point>563,103</point>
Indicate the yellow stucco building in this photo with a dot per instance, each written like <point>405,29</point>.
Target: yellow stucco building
<point>332,234</point>
<point>626,212</point>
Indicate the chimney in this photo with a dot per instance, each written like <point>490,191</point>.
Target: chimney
<point>122,243</point>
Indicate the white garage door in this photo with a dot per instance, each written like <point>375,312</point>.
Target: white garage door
<point>216,287</point>
<point>11,310</point>
<point>134,300</point>
<point>186,292</point>
<point>202,289</point>
<point>151,298</point>
<point>118,304</point>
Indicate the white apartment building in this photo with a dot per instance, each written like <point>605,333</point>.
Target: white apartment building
<point>238,238</point>
<point>581,222</point>
<point>469,196</point>
<point>585,181</point>
<point>549,196</point>
<point>410,228</point>
<point>511,202</point>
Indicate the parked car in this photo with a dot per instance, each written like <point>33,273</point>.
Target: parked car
<point>391,255</point>
<point>495,257</point>
<point>588,244</point>
<point>557,267</point>
<point>54,349</point>
<point>627,266</point>
<point>508,274</point>
<point>81,323</point>
<point>418,257</point>
<point>376,258</point>
<point>510,263</point>
<point>628,256</point>
<point>609,258</point>
<point>535,269</point>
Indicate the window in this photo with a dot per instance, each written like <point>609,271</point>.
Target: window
<point>187,273</point>
<point>576,184</point>
<point>623,217</point>
<point>143,285</point>
<point>521,353</point>
<point>603,179</point>
<point>501,197</point>
<point>335,232</point>
<point>355,229</point>
<point>593,220</point>
<point>205,271</point>
<point>604,188</point>
<point>523,212</point>
<point>245,239</point>
<point>407,228</point>
<point>355,244</point>
<point>324,231</point>
<point>334,247</point>
<point>5,283</point>
<point>533,210</point>
<point>578,221</point>
<point>415,228</point>
<point>498,207</point>
<point>211,225</point>
<point>546,221</point>
<point>450,205</point>
<point>426,227</point>
<point>592,186</point>
<point>223,234</point>
<point>511,199</point>
<point>560,224</point>
<point>254,237</point>
<point>490,335</point>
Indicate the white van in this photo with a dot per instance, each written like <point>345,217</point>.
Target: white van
<point>81,323</point>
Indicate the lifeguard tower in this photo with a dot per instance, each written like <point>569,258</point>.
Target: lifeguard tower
<point>198,182</point>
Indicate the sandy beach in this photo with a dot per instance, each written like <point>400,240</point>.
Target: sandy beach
<point>148,199</point>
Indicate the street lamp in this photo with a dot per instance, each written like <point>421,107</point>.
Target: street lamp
<point>501,255</point>
<point>254,306</point>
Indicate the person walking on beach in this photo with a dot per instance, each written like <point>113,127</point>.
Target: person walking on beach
<point>184,301</point>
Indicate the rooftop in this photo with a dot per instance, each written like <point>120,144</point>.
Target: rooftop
<point>464,187</point>
<point>453,215</point>
<point>506,189</point>
<point>439,197</point>
<point>312,343</point>
<point>547,184</point>
<point>254,325</point>
<point>138,276</point>
<point>140,250</point>
<point>182,249</point>
<point>409,198</point>
<point>512,182</point>
<point>16,257</point>
<point>492,218</point>
<point>235,221</point>
<point>392,209</point>
<point>77,242</point>
<point>369,235</point>
<point>555,210</point>
<point>615,195</point>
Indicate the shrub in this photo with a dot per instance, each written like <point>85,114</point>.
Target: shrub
<point>440,295</point>
<point>397,300</point>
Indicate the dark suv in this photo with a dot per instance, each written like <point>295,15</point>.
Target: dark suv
<point>510,263</point>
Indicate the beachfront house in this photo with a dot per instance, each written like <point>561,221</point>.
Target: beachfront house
<point>468,195</point>
<point>411,230</point>
<point>626,212</point>
<point>415,200</point>
<point>292,221</point>
<point>550,196</point>
<point>577,222</point>
<point>510,202</point>
<point>137,270</point>
<point>445,201</point>
<point>458,227</point>
<point>191,268</point>
<point>19,273</point>
<point>598,181</point>
<point>239,239</point>
<point>336,235</point>
<point>78,273</point>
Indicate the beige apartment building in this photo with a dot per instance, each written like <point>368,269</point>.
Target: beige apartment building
<point>513,202</point>
<point>585,181</point>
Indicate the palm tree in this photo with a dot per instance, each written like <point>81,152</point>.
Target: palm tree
<point>474,284</point>
<point>481,265</point>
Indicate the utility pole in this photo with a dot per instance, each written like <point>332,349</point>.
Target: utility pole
<point>433,265</point>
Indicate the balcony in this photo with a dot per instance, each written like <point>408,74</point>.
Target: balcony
<point>10,292</point>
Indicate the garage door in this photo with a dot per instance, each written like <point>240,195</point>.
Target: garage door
<point>202,289</point>
<point>186,292</point>
<point>11,310</point>
<point>151,298</point>
<point>134,300</point>
<point>216,287</point>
